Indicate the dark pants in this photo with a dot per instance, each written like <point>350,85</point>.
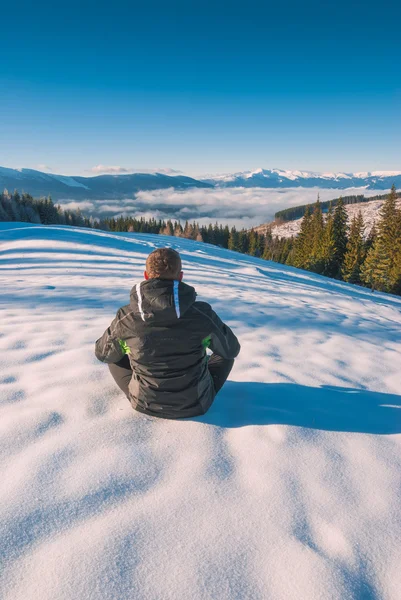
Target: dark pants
<point>219,369</point>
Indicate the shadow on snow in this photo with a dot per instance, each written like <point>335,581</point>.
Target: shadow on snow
<point>324,408</point>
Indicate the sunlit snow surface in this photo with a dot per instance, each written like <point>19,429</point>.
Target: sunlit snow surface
<point>288,489</point>
<point>370,213</point>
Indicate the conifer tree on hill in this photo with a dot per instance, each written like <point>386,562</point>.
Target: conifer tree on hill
<point>233,240</point>
<point>317,231</point>
<point>371,237</point>
<point>303,243</point>
<point>375,270</point>
<point>243,242</point>
<point>253,243</point>
<point>397,258</point>
<point>355,253</point>
<point>267,241</point>
<point>178,231</point>
<point>382,269</point>
<point>390,232</point>
<point>340,232</point>
<point>328,248</point>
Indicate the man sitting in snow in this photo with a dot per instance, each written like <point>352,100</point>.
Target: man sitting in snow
<point>156,345</point>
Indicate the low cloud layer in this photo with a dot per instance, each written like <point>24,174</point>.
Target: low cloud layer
<point>242,207</point>
<point>86,206</point>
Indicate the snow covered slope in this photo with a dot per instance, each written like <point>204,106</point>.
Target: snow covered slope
<point>288,489</point>
<point>370,212</point>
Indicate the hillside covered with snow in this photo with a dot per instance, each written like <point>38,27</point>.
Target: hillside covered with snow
<point>287,489</point>
<point>370,212</point>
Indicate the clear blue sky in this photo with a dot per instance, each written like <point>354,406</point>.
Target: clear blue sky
<point>201,86</point>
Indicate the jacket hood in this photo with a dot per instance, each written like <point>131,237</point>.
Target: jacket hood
<point>161,301</point>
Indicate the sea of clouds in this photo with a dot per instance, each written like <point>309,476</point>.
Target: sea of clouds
<point>242,207</point>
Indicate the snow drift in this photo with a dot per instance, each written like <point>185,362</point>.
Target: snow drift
<point>288,488</point>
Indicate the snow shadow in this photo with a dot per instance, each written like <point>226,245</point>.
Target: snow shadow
<point>326,408</point>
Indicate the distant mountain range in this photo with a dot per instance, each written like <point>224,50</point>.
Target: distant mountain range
<point>100,187</point>
<point>277,178</point>
<point>105,187</point>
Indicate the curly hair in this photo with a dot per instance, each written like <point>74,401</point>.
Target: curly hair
<point>163,263</point>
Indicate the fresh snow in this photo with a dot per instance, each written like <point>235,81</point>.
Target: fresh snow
<point>6,172</point>
<point>370,212</point>
<point>294,175</point>
<point>365,174</point>
<point>70,181</point>
<point>20,173</point>
<point>288,488</point>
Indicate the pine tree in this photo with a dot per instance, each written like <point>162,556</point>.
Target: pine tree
<point>397,257</point>
<point>178,231</point>
<point>371,238</point>
<point>340,231</point>
<point>168,229</point>
<point>216,234</point>
<point>253,243</point>
<point>382,268</point>
<point>196,234</point>
<point>355,253</point>
<point>375,270</point>
<point>304,241</point>
<point>225,237</point>
<point>243,241</point>
<point>290,257</point>
<point>317,230</point>
<point>233,239</point>
<point>327,255</point>
<point>389,230</point>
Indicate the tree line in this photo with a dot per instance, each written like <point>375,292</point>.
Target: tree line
<point>216,234</point>
<point>23,207</point>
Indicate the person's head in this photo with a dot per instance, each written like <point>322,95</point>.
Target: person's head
<point>163,263</point>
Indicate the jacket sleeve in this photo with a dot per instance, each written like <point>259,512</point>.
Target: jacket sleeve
<point>222,340</point>
<point>109,348</point>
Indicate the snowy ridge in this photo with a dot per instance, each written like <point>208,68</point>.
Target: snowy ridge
<point>70,181</point>
<point>122,186</point>
<point>293,175</point>
<point>283,178</point>
<point>287,489</point>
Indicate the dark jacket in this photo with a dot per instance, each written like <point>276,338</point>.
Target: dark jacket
<point>165,332</point>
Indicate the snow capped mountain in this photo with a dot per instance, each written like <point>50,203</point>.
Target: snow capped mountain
<point>120,186</point>
<point>271,178</point>
<point>287,489</point>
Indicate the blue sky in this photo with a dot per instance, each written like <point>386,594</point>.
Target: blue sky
<point>201,87</point>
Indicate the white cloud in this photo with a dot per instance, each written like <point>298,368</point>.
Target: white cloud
<point>116,170</point>
<point>85,205</point>
<point>44,168</point>
<point>242,207</point>
<point>101,169</point>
